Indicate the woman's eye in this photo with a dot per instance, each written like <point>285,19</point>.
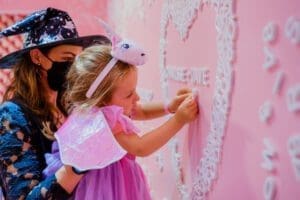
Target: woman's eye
<point>69,59</point>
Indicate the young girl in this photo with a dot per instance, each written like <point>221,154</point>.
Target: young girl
<point>117,99</point>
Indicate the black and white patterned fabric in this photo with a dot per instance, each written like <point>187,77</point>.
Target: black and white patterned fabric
<point>43,28</point>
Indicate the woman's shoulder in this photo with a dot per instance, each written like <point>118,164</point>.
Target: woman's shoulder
<point>9,105</point>
<point>11,111</point>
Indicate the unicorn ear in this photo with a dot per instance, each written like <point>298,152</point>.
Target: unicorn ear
<point>115,38</point>
<point>114,41</point>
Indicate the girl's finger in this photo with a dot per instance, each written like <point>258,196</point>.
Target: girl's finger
<point>183,91</point>
<point>182,97</point>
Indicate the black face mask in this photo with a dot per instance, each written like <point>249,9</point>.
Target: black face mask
<point>56,75</point>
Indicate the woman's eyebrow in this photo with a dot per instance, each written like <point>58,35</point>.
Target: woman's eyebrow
<point>69,53</point>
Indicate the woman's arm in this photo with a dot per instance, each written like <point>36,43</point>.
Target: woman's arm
<point>153,140</point>
<point>67,178</point>
<point>20,164</point>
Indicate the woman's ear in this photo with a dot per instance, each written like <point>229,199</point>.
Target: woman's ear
<point>35,55</point>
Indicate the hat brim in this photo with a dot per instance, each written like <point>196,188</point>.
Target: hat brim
<point>11,59</point>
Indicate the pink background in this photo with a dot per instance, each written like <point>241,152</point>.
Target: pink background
<point>240,173</point>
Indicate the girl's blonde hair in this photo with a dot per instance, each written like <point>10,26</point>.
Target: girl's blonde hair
<point>87,66</point>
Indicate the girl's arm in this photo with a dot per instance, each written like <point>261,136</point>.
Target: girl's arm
<point>148,111</point>
<point>153,140</point>
<point>154,110</point>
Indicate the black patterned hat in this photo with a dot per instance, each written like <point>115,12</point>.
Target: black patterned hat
<point>46,28</point>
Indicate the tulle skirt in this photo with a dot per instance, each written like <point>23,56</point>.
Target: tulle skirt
<point>122,180</point>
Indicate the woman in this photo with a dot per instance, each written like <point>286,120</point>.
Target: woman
<point>31,111</point>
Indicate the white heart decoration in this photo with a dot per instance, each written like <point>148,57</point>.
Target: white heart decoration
<point>182,13</point>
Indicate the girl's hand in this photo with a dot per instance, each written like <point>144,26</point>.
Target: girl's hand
<point>187,110</point>
<point>182,94</point>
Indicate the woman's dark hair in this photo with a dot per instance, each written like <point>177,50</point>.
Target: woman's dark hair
<point>29,89</point>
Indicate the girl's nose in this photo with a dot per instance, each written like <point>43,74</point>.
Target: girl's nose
<point>137,97</point>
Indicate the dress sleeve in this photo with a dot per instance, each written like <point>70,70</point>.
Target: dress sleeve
<point>117,129</point>
<point>21,171</point>
<point>117,121</point>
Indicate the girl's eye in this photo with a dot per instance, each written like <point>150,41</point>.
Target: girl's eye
<point>129,95</point>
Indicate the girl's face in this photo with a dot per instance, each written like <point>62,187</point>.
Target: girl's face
<point>125,93</point>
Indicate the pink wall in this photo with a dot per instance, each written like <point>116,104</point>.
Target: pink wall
<point>81,11</point>
<point>240,173</point>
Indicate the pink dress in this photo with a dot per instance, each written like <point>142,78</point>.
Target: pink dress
<point>115,179</point>
<point>122,180</point>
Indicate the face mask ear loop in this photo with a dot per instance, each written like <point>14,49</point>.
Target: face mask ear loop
<point>48,57</point>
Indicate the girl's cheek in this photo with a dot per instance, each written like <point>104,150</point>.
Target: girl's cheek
<point>128,113</point>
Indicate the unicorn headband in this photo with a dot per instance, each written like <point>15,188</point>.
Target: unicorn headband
<point>123,50</point>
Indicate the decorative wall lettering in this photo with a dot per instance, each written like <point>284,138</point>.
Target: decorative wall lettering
<point>197,76</point>
<point>269,188</point>
<point>292,32</point>
<point>278,82</point>
<point>270,32</point>
<point>177,74</point>
<point>265,111</point>
<point>160,161</point>
<point>268,154</point>
<point>292,29</point>
<point>293,98</point>
<point>294,152</point>
<point>270,60</point>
